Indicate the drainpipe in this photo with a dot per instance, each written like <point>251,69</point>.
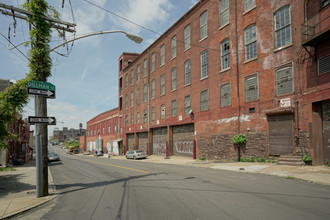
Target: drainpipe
<point>297,125</point>
<point>237,74</point>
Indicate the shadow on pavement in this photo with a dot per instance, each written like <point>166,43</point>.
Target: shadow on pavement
<point>10,184</point>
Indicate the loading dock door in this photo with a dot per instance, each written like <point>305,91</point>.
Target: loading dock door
<point>143,141</point>
<point>183,140</point>
<point>159,138</point>
<point>280,134</point>
<point>130,140</point>
<point>326,129</point>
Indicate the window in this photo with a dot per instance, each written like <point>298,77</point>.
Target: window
<point>250,37</point>
<point>153,113</point>
<point>126,101</point>
<point>153,61</point>
<point>115,128</point>
<point>162,84</point>
<point>187,71</point>
<point>174,108</point>
<point>126,80</point>
<point>126,120</point>
<point>323,65</point>
<point>225,95</point>
<point>284,81</point>
<point>225,54</point>
<point>145,67</point>
<point>324,3</point>
<point>282,27</point>
<point>145,115</point>
<point>248,4</point>
<point>224,12</point>
<point>187,104</point>
<point>132,99</point>
<point>138,96</point>
<point>173,79</point>
<point>203,25</point>
<point>162,111</point>
<point>138,70</point>
<point>204,64</point>
<point>108,129</point>
<point>153,89</point>
<point>162,55</point>
<point>102,130</point>
<point>187,37</point>
<point>251,91</point>
<point>204,100</point>
<point>138,118</point>
<point>132,119</point>
<point>145,92</point>
<point>132,77</point>
<point>173,46</point>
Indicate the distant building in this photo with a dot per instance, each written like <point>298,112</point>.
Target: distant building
<point>66,134</point>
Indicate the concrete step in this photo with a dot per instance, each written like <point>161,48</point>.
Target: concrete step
<point>290,163</point>
<point>290,160</point>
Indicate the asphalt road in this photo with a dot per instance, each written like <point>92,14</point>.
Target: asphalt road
<point>100,188</point>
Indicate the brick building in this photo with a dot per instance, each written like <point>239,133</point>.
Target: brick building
<point>256,67</point>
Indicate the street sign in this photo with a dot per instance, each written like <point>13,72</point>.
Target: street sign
<point>42,92</point>
<point>40,85</point>
<point>42,120</point>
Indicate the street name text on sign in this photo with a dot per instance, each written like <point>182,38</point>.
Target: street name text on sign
<point>42,120</point>
<point>41,89</point>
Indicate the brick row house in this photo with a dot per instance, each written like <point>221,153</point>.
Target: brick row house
<point>256,67</point>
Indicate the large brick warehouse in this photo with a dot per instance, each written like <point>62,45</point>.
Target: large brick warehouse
<point>257,67</point>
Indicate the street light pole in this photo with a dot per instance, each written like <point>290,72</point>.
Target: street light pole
<point>137,39</point>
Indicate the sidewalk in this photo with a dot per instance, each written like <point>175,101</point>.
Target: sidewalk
<point>18,188</point>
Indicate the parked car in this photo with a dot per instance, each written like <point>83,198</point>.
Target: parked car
<point>53,157</point>
<point>86,153</point>
<point>136,154</point>
<point>76,151</point>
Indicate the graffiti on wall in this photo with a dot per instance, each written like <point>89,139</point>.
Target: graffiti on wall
<point>159,149</point>
<point>184,147</point>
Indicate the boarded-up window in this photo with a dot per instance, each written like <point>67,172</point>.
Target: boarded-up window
<point>138,96</point>
<point>153,113</point>
<point>204,101</point>
<point>174,78</point>
<point>145,92</point>
<point>251,90</point>
<point>126,80</point>
<point>126,120</point>
<point>187,104</point>
<point>162,84</point>
<point>153,89</point>
<point>324,64</point>
<point>126,101</point>
<point>174,107</point>
<point>145,115</point>
<point>162,111</point>
<point>284,81</point>
<point>138,70</point>
<point>225,95</point>
<point>132,119</point>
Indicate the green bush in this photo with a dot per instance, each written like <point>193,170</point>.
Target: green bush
<point>307,159</point>
<point>244,160</point>
<point>251,159</point>
<point>261,160</point>
<point>239,139</point>
<point>202,158</point>
<point>326,163</point>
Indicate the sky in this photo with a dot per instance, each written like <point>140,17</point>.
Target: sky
<point>87,79</point>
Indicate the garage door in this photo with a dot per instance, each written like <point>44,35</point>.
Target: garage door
<point>183,140</point>
<point>130,140</point>
<point>326,129</point>
<point>143,141</point>
<point>159,138</point>
<point>280,134</point>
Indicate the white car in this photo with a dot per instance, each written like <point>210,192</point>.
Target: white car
<point>136,154</point>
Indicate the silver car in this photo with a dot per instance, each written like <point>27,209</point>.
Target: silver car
<point>53,157</point>
<point>135,154</point>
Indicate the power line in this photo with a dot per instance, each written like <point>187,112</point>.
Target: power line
<point>14,53</point>
<point>14,46</point>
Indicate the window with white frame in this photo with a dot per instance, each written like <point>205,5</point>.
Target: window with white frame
<point>225,54</point>
<point>162,55</point>
<point>174,108</point>
<point>132,99</point>
<point>138,96</point>
<point>251,90</point>
<point>284,81</point>
<point>132,76</point>
<point>204,64</point>
<point>132,119</point>
<point>145,115</point>
<point>126,101</point>
<point>224,12</point>
<point>187,104</point>
<point>162,84</point>
<point>162,111</point>
<point>250,37</point>
<point>138,70</point>
<point>153,61</point>
<point>204,100</point>
<point>187,72</point>
<point>203,25</point>
<point>173,87</point>
<point>126,80</point>
<point>145,92</point>
<point>187,37</point>
<point>153,113</point>
<point>248,4</point>
<point>282,27</point>
<point>153,89</point>
<point>173,46</point>
<point>138,118</point>
<point>225,95</point>
<point>145,67</point>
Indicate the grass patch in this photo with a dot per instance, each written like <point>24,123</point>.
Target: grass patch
<point>7,169</point>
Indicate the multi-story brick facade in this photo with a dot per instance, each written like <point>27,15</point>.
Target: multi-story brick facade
<point>230,67</point>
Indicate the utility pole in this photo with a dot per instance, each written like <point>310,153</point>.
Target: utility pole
<point>40,73</point>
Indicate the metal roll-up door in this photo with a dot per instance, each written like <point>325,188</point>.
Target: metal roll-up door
<point>130,140</point>
<point>183,140</point>
<point>143,141</point>
<point>159,138</point>
<point>326,129</point>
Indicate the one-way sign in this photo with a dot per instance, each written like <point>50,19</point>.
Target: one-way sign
<point>42,120</point>
<point>41,92</point>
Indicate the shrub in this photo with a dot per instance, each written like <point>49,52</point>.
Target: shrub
<point>307,159</point>
<point>244,159</point>
<point>251,159</point>
<point>202,158</point>
<point>261,160</point>
<point>239,139</point>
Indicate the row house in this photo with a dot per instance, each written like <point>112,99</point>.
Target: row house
<point>256,67</point>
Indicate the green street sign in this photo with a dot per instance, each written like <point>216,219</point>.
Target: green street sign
<point>40,85</point>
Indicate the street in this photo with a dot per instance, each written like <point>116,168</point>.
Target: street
<point>101,188</point>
